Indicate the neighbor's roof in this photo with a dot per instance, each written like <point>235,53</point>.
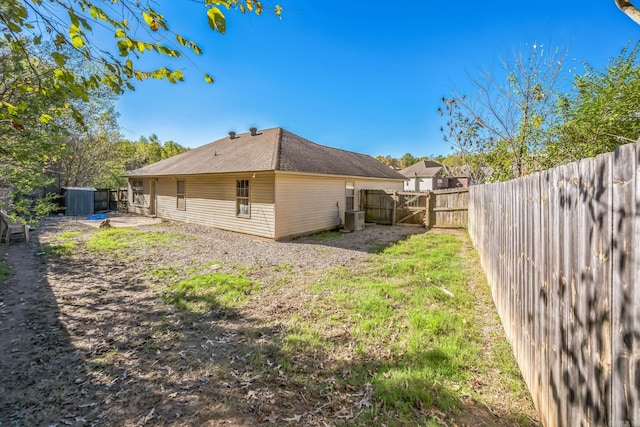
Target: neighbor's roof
<point>423,169</point>
<point>272,149</point>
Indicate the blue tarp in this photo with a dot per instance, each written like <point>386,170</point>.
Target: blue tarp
<point>97,217</point>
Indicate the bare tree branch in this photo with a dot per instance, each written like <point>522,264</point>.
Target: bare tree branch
<point>629,9</point>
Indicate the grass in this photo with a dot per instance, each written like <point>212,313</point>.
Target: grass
<point>62,246</point>
<point>121,239</point>
<point>201,293</point>
<point>404,325</point>
<point>411,326</point>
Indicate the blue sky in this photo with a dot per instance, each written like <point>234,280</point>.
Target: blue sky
<point>364,76</point>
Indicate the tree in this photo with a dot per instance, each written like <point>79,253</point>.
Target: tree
<point>88,151</point>
<point>29,135</point>
<point>507,120</point>
<point>629,9</point>
<point>41,82</point>
<point>407,160</point>
<point>463,133</point>
<point>602,111</point>
<point>388,160</point>
<point>137,28</point>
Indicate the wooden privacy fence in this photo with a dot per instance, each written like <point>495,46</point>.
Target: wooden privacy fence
<point>560,250</point>
<point>448,208</point>
<point>433,209</point>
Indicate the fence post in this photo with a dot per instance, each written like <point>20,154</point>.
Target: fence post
<point>427,214</point>
<point>395,207</point>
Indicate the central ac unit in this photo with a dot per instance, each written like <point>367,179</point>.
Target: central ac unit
<point>354,220</point>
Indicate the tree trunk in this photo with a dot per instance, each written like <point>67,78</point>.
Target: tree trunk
<point>629,9</point>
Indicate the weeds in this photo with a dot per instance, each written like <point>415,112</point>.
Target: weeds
<point>5,271</point>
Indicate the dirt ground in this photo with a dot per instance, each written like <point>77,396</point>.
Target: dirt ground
<point>88,342</point>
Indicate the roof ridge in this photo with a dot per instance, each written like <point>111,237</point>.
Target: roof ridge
<point>344,150</point>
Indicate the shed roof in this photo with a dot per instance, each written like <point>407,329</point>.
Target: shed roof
<point>79,188</point>
<point>423,169</point>
<point>269,150</point>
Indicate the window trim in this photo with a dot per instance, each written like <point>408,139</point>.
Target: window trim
<point>243,194</point>
<point>181,196</point>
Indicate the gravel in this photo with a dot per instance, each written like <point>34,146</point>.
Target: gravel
<point>206,244</point>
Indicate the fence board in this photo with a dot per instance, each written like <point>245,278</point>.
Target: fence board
<point>601,269</point>
<point>626,328</point>
<point>570,327</point>
<point>541,392</point>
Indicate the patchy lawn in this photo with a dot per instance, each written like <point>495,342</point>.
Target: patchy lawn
<point>171,325</point>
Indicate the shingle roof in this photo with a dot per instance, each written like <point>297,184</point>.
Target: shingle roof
<point>272,149</point>
<point>423,169</point>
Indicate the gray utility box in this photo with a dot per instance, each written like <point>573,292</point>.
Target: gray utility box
<point>354,220</point>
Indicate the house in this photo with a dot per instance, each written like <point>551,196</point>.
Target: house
<point>427,175</point>
<point>269,183</point>
<point>424,176</point>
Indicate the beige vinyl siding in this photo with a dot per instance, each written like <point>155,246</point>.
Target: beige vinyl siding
<point>310,203</point>
<point>305,204</point>
<point>211,200</point>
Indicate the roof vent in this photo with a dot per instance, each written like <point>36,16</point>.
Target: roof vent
<point>232,135</point>
<point>254,131</point>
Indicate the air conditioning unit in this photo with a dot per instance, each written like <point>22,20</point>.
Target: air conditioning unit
<point>354,220</point>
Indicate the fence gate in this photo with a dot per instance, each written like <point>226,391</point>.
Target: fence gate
<point>410,207</point>
<point>433,209</point>
<point>448,208</point>
<point>377,206</point>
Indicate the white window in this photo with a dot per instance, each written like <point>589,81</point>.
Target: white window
<point>180,196</point>
<point>243,204</point>
<point>350,192</point>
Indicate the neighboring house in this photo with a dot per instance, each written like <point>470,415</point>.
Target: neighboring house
<point>424,176</point>
<point>269,183</point>
<point>470,175</point>
<point>427,175</point>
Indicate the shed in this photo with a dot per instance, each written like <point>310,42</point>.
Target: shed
<point>78,201</point>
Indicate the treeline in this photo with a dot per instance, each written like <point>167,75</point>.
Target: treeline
<point>408,159</point>
<point>100,162</point>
